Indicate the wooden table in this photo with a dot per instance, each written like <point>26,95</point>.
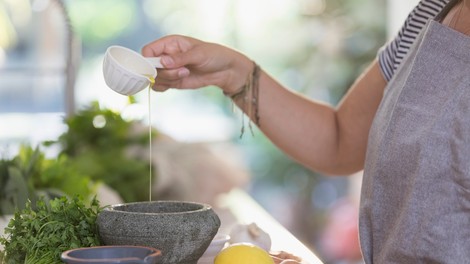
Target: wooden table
<point>238,207</point>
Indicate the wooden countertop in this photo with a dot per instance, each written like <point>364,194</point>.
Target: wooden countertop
<point>238,207</point>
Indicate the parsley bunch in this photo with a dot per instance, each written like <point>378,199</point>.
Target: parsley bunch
<point>40,235</point>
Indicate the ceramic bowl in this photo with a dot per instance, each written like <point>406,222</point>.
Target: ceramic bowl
<point>112,255</point>
<point>126,71</point>
<point>181,230</point>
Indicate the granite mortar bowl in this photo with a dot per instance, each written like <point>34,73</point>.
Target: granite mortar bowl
<point>181,230</point>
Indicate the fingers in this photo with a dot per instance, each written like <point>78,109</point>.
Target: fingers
<point>165,45</point>
<point>160,87</point>
<point>169,45</point>
<point>285,256</point>
<point>163,85</point>
<point>172,74</point>
<point>277,260</point>
<point>176,51</point>
<point>167,78</point>
<point>290,261</point>
<point>191,57</point>
<point>284,261</point>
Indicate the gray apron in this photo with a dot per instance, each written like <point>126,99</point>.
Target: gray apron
<point>415,200</point>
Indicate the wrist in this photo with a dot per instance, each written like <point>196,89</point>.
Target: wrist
<point>238,75</point>
<point>247,97</point>
<point>249,80</point>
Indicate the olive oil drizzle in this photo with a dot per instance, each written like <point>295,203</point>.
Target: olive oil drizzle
<point>152,82</point>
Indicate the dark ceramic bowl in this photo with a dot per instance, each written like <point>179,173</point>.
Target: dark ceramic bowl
<point>181,230</point>
<point>112,255</point>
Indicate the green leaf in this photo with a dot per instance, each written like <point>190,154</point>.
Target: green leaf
<point>15,192</point>
<point>41,234</point>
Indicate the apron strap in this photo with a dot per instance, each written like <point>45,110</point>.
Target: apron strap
<point>446,10</point>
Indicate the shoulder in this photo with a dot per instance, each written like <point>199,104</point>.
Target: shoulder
<point>391,55</point>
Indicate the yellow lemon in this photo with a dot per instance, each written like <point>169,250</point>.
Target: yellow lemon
<point>243,253</point>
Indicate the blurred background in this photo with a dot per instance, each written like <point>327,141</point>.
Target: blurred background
<point>51,55</point>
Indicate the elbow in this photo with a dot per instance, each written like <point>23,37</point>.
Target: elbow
<point>342,171</point>
<point>338,167</point>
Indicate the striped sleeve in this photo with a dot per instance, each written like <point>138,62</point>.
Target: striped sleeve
<point>392,54</point>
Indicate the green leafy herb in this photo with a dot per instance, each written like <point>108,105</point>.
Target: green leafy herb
<point>30,174</point>
<point>40,235</point>
<point>97,144</point>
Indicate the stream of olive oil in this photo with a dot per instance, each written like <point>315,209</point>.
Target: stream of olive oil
<point>152,82</point>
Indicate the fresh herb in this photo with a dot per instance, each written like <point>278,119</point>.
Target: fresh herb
<point>40,235</point>
<point>30,174</point>
<point>98,142</point>
<point>14,190</point>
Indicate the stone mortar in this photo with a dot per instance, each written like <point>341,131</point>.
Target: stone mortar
<point>181,230</point>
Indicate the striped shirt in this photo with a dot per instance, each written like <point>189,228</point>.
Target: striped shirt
<point>391,55</point>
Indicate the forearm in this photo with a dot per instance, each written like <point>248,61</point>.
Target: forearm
<point>304,129</point>
<point>324,138</point>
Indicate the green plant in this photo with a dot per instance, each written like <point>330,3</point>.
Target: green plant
<point>30,175</point>
<point>40,235</point>
<point>14,191</point>
<point>96,145</point>
<point>93,150</point>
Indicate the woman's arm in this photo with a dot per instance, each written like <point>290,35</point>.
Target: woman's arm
<point>323,138</point>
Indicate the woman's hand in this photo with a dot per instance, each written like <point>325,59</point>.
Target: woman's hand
<point>282,257</point>
<point>190,63</point>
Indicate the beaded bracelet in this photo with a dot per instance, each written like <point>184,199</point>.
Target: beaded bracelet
<point>249,92</point>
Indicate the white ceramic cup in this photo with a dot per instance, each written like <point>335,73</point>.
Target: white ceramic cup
<point>126,71</point>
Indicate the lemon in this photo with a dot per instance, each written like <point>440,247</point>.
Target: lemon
<point>243,253</point>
